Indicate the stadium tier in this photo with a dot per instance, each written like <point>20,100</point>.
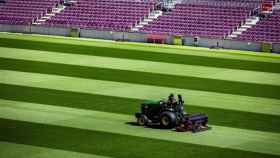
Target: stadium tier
<point>208,18</point>
<point>218,19</point>
<point>103,14</point>
<point>267,30</point>
<point>199,20</point>
<point>25,12</point>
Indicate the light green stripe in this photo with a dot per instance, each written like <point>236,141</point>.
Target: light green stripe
<point>12,150</point>
<point>138,91</point>
<point>155,48</point>
<point>143,66</point>
<point>225,137</point>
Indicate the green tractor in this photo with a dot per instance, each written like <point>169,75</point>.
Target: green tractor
<point>170,114</point>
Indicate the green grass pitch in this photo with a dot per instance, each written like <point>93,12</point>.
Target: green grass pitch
<point>69,97</point>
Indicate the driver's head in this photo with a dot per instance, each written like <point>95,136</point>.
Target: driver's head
<point>171,96</point>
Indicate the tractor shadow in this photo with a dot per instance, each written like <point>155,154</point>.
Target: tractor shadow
<point>154,126</point>
<point>157,126</point>
<point>132,123</point>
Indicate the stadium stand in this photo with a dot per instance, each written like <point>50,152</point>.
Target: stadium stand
<point>19,12</point>
<point>215,19</point>
<point>219,19</point>
<point>266,30</point>
<point>103,14</point>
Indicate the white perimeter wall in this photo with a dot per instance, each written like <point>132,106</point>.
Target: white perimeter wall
<point>136,37</point>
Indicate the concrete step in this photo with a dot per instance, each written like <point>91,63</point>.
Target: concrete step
<point>36,23</point>
<point>45,17</point>
<point>157,11</point>
<point>148,20</point>
<point>138,26</point>
<point>232,36</point>
<point>134,29</point>
<point>55,12</point>
<point>249,20</point>
<point>242,29</point>
<point>246,26</point>
<point>237,33</point>
<point>41,20</point>
<point>251,23</point>
<point>50,14</point>
<point>144,23</point>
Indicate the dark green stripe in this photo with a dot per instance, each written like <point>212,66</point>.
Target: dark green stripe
<point>108,144</point>
<point>238,119</point>
<point>194,83</point>
<point>142,55</point>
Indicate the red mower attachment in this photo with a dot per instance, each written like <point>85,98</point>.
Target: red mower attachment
<point>194,123</point>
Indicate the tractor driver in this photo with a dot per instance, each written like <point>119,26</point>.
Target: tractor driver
<point>172,102</point>
<point>180,106</point>
<point>180,100</point>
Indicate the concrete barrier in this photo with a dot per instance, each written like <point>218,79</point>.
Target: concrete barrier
<point>276,48</point>
<point>137,37</point>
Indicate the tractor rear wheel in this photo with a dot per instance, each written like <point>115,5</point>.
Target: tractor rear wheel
<point>168,120</point>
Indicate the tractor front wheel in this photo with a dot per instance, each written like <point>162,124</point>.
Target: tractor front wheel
<point>142,121</point>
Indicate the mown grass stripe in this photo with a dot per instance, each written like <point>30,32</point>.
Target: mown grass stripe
<point>236,119</point>
<point>13,150</point>
<point>119,89</point>
<point>224,137</point>
<point>142,66</point>
<point>185,50</point>
<point>183,82</point>
<point>108,144</point>
<point>142,55</point>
